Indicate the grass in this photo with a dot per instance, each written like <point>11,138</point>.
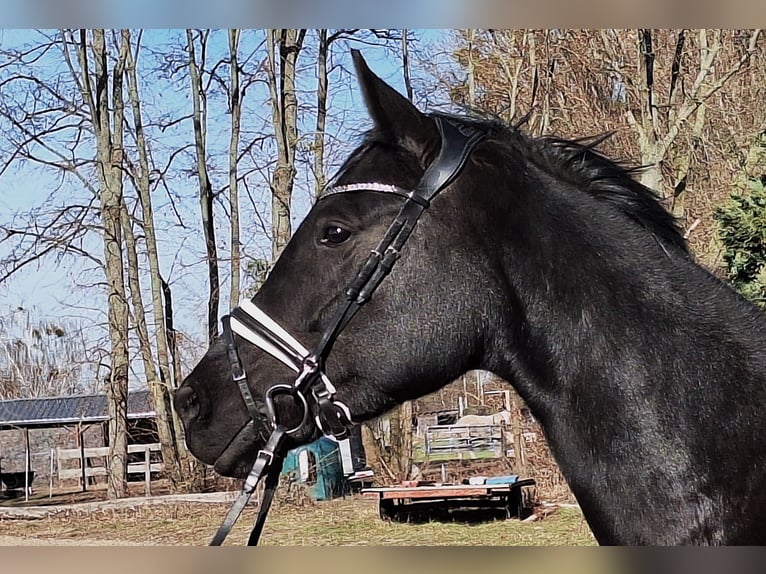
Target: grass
<point>352,521</point>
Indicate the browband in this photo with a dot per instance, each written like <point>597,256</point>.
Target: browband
<point>457,141</point>
<point>381,187</point>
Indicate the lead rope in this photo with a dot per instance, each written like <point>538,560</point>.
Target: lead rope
<point>270,459</point>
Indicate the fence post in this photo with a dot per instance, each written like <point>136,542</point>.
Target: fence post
<point>518,448</point>
<point>27,464</point>
<point>503,441</point>
<point>147,471</point>
<point>82,457</point>
<point>50,477</point>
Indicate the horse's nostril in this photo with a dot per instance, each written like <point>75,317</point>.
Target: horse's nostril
<point>186,403</point>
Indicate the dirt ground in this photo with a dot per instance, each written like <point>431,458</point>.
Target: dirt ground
<point>70,505</point>
<point>28,541</point>
<point>350,521</point>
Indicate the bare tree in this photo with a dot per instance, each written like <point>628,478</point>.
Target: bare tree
<point>109,153</point>
<point>284,109</point>
<point>401,416</point>
<point>42,357</point>
<point>322,88</point>
<point>325,40</point>
<point>671,98</point>
<point>470,68</point>
<point>235,104</point>
<point>659,122</point>
<point>199,101</point>
<point>55,126</point>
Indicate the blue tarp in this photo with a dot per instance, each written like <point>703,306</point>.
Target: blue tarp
<point>321,471</point>
<point>508,479</point>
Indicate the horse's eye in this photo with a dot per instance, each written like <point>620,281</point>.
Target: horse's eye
<point>335,235</point>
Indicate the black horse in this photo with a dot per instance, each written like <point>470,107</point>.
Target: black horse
<point>547,264</point>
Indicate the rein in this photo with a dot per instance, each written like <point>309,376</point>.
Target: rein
<point>312,389</point>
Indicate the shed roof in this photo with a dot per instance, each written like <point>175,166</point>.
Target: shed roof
<point>69,410</point>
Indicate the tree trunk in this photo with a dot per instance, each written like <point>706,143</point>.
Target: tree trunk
<point>284,105</point>
<point>469,69</point>
<point>109,171</point>
<point>511,63</point>
<point>406,63</point>
<point>235,104</point>
<point>323,53</point>
<point>143,186</point>
<point>401,416</point>
<point>401,441</point>
<point>171,439</point>
<point>319,179</point>
<point>654,140</point>
<point>199,101</point>
<point>193,469</point>
<point>156,387</point>
<point>683,164</point>
<point>134,285</point>
<point>651,149</point>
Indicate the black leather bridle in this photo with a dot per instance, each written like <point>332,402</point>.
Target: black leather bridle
<point>312,389</point>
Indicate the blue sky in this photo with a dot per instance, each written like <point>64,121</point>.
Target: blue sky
<point>65,288</point>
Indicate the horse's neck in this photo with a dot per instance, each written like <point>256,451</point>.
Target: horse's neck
<point>635,361</point>
<point>623,379</point>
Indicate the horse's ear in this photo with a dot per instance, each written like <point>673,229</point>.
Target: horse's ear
<point>394,115</point>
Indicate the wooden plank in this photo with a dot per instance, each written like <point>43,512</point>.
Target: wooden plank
<point>76,473</point>
<point>153,446</point>
<point>94,451</point>
<point>133,468</point>
<point>27,465</point>
<point>67,453</point>
<point>75,453</point>
<point>455,493</point>
<point>443,487</point>
<point>441,491</point>
<point>140,467</point>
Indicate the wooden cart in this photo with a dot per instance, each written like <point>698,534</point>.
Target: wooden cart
<point>400,502</point>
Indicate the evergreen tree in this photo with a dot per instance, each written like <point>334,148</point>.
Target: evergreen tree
<point>742,229</point>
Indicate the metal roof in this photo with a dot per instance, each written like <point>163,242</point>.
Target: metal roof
<point>69,410</point>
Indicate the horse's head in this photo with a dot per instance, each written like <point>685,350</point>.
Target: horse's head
<point>414,335</point>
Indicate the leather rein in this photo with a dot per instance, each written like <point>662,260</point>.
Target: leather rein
<point>312,390</point>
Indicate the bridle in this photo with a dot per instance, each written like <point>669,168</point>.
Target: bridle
<point>312,390</point>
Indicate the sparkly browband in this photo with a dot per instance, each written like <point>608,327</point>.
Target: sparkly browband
<point>383,187</point>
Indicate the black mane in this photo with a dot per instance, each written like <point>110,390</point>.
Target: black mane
<point>579,163</point>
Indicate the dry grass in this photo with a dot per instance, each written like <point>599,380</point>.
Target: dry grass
<point>350,521</point>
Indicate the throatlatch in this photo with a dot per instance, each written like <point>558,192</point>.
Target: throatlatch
<point>312,389</point>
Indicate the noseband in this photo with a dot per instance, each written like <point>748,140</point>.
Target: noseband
<point>312,390</point>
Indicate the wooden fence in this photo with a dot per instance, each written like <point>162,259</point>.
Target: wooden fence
<point>86,469</point>
<point>467,441</point>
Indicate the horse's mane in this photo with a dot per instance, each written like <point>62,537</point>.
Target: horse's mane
<point>579,162</point>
